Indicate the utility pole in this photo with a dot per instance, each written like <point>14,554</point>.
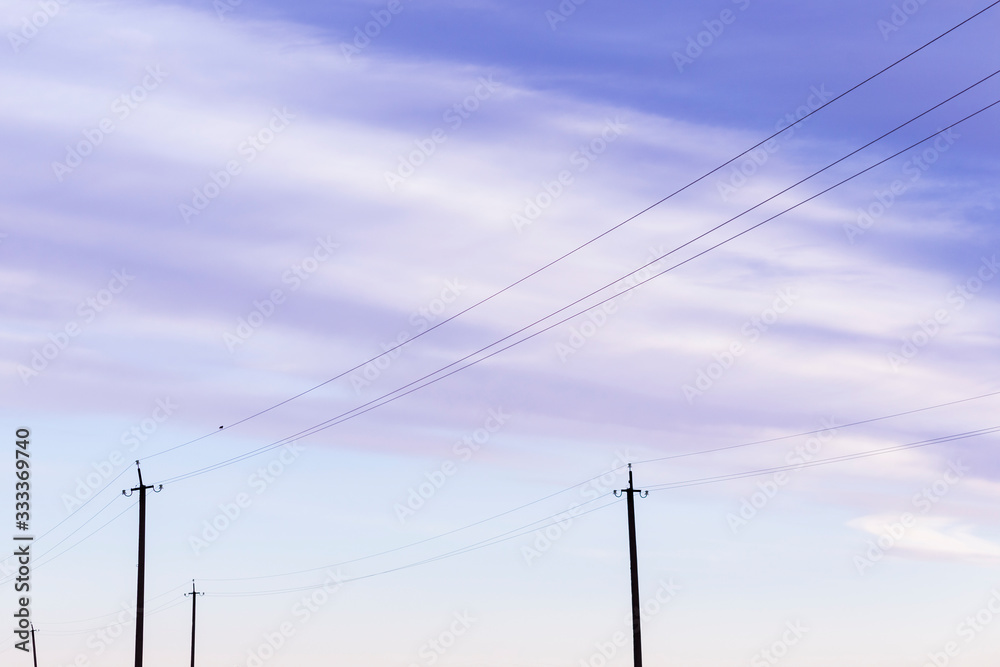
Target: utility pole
<point>34,649</point>
<point>140,593</point>
<point>634,566</point>
<point>194,608</point>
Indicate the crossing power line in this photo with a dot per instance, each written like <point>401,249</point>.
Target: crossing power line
<point>440,374</point>
<point>557,518</point>
<point>518,508</point>
<point>587,243</point>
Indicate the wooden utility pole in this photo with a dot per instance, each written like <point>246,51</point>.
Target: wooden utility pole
<point>194,610</point>
<point>34,649</point>
<point>140,593</point>
<point>634,566</point>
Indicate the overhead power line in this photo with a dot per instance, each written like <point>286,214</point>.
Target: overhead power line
<point>533,502</point>
<point>429,378</point>
<point>582,245</point>
<point>680,484</point>
<point>871,420</point>
<point>533,527</point>
<point>496,539</point>
<point>826,461</point>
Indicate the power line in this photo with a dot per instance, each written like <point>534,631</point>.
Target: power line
<point>97,618</point>
<point>71,514</point>
<point>521,530</point>
<point>612,470</point>
<point>503,537</point>
<point>818,430</point>
<point>87,537</point>
<point>156,610</point>
<point>399,392</point>
<point>529,504</point>
<point>77,543</point>
<point>419,542</point>
<point>583,245</point>
<point>449,553</point>
<point>827,461</point>
<point>552,495</point>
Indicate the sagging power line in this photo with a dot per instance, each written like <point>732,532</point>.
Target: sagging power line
<point>580,247</point>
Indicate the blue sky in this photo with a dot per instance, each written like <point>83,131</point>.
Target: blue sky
<point>212,208</point>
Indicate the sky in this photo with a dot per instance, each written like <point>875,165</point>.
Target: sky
<point>387,295</point>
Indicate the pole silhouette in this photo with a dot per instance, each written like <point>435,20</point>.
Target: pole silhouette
<point>194,610</point>
<point>34,649</point>
<point>633,566</point>
<point>140,592</point>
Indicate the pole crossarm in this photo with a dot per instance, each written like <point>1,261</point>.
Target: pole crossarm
<point>194,614</point>
<point>630,493</point>
<point>140,592</point>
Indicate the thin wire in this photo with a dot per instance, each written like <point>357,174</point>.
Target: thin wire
<point>80,527</point>
<point>114,613</point>
<point>78,543</point>
<point>52,548</point>
<point>658,487</point>
<point>164,607</point>
<point>612,470</point>
<point>70,515</point>
<point>418,542</point>
<point>520,531</point>
<point>583,245</point>
<point>473,547</point>
<point>819,430</point>
<point>378,402</point>
<point>835,459</point>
